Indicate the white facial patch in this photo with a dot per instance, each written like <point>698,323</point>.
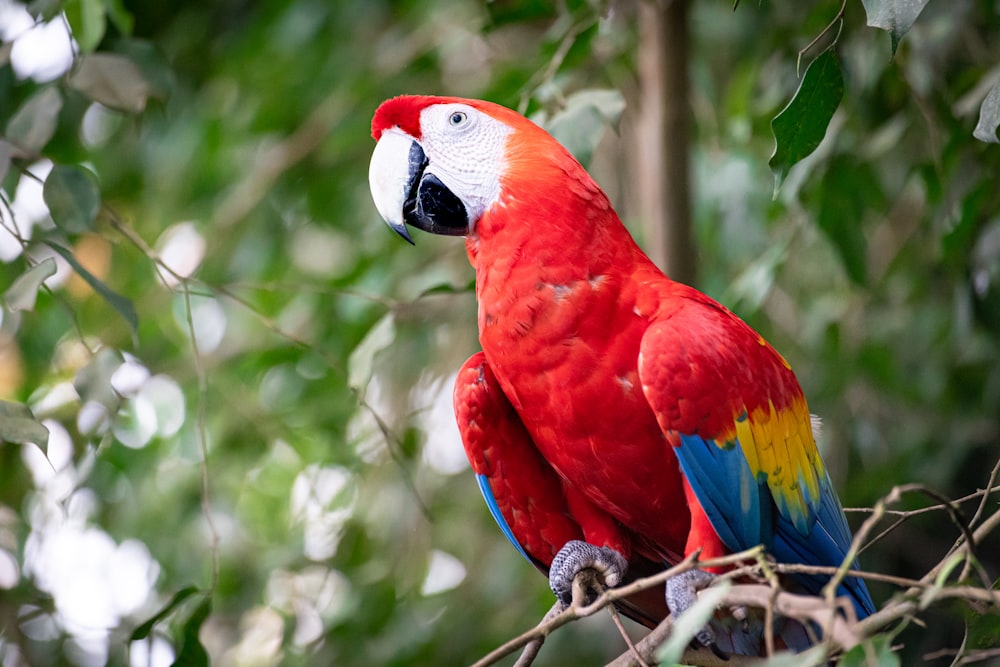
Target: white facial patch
<point>466,150</point>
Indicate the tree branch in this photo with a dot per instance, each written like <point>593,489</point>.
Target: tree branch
<point>835,615</point>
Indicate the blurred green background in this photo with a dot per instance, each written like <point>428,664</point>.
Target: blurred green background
<point>282,329</point>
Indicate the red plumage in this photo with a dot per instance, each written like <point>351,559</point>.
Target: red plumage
<point>612,402</point>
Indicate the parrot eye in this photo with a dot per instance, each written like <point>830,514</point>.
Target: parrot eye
<point>457,119</point>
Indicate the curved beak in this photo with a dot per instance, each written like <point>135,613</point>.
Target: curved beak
<point>405,193</point>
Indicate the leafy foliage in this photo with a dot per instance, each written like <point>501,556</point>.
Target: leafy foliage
<point>801,126</point>
<point>73,198</point>
<point>243,379</point>
<point>895,16</point>
<point>17,424</point>
<point>989,117</point>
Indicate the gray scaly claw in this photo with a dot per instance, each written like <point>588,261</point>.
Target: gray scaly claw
<point>682,593</point>
<point>576,556</point>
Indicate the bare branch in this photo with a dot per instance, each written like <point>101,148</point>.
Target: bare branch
<point>985,493</point>
<point>531,650</point>
<point>835,615</point>
<point>701,657</point>
<point>632,650</point>
<point>837,619</point>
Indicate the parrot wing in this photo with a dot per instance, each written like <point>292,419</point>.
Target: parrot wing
<point>732,409</point>
<point>523,493</point>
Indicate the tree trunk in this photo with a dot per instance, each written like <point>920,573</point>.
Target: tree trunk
<point>663,136</point>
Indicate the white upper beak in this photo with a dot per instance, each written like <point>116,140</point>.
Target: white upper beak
<point>389,177</point>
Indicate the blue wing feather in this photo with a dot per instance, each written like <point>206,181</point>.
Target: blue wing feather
<point>744,514</point>
<point>713,472</point>
<point>491,503</point>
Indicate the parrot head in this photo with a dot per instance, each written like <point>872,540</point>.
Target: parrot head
<point>440,162</point>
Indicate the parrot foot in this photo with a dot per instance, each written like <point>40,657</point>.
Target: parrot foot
<point>576,556</point>
<point>682,593</point>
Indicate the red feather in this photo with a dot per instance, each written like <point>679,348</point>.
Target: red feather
<point>596,371</point>
<point>402,112</point>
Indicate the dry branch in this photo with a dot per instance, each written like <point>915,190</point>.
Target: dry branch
<point>841,629</point>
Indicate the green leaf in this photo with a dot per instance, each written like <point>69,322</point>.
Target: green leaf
<point>116,300</point>
<point>362,359</point>
<point>582,123</point>
<point>752,285</point>
<point>44,10</point>
<point>120,17</point>
<point>983,626</point>
<point>180,596</point>
<point>506,13</point>
<point>989,117</point>
<point>687,625</point>
<point>895,16</point>
<point>156,72</point>
<point>73,198</point>
<point>18,425</point>
<point>448,288</point>
<point>113,80</point>
<point>930,594</point>
<point>802,124</point>
<point>7,151</point>
<point>817,655</point>
<point>957,243</point>
<point>93,381</point>
<point>845,194</point>
<point>22,294</point>
<point>874,652</point>
<point>87,21</point>
<point>192,653</point>
<point>34,123</point>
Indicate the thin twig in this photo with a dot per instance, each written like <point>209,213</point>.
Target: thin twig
<point>930,508</point>
<point>838,18</point>
<point>775,585</point>
<point>985,493</point>
<point>972,522</point>
<point>206,505</point>
<point>884,533</point>
<point>956,518</point>
<point>555,62</point>
<point>798,568</point>
<point>904,515</point>
<point>531,650</point>
<point>624,633</point>
<point>829,590</point>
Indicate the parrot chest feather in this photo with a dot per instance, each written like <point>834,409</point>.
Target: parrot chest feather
<point>563,339</point>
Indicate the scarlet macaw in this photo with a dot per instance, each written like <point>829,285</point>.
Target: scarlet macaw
<point>615,419</point>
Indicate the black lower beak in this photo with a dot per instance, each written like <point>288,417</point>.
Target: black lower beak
<point>430,205</point>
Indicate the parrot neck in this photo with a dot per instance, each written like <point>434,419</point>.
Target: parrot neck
<point>555,240</point>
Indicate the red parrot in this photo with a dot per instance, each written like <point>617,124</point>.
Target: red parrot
<point>615,419</point>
